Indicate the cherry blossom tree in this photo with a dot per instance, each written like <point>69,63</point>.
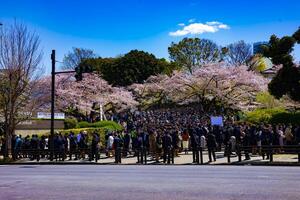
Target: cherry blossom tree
<point>83,95</point>
<point>232,86</point>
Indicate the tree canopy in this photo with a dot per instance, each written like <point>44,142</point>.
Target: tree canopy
<point>134,67</point>
<point>287,79</point>
<point>238,53</point>
<point>191,52</point>
<point>76,56</point>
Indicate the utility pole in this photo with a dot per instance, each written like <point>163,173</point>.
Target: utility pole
<point>53,73</point>
<point>52,105</point>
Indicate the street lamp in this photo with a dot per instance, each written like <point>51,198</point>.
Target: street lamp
<point>53,73</point>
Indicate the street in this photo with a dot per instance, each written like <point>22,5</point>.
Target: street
<point>148,182</point>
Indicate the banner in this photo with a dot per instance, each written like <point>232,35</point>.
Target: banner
<point>216,120</point>
<point>45,115</point>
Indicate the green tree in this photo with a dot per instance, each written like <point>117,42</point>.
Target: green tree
<point>192,52</point>
<point>296,35</point>
<point>134,67</point>
<point>279,50</point>
<point>287,79</point>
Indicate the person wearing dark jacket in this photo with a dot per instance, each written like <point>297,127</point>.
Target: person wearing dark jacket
<point>195,141</point>
<point>127,140</point>
<point>73,146</point>
<point>167,147</point>
<point>118,143</point>
<point>95,147</point>
<point>211,145</point>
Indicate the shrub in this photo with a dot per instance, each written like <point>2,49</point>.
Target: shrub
<point>273,116</point>
<point>84,124</point>
<point>110,125</point>
<point>285,117</point>
<point>262,115</point>
<point>70,123</point>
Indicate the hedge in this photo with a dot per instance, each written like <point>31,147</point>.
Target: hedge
<point>285,117</point>
<point>110,125</point>
<point>273,116</point>
<point>90,131</point>
<point>70,123</point>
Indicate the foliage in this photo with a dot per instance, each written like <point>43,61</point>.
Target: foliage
<point>192,52</point>
<point>286,118</point>
<point>296,35</point>
<point>287,81</point>
<point>109,125</point>
<point>80,96</point>
<point>238,53</point>
<point>217,83</point>
<point>134,67</point>
<point>74,58</point>
<point>279,50</point>
<point>70,123</point>
<point>262,115</point>
<point>267,100</point>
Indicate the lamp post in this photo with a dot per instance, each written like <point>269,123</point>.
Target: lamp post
<point>53,73</point>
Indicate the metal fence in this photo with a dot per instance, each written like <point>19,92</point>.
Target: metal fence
<point>143,154</point>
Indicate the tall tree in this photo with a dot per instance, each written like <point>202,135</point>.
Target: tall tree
<point>287,79</point>
<point>74,58</point>
<point>192,52</point>
<point>20,56</point>
<point>279,50</point>
<point>238,53</point>
<point>236,87</point>
<point>134,67</point>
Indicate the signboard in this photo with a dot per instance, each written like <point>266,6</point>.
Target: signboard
<point>216,120</point>
<point>44,115</point>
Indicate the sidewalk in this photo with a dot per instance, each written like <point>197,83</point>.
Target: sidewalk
<point>281,159</point>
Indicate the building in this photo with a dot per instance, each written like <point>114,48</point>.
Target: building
<point>257,47</point>
<point>40,123</point>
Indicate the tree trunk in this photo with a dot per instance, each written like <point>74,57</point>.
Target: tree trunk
<point>8,150</point>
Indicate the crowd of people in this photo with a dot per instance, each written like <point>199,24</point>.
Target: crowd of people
<point>161,134</point>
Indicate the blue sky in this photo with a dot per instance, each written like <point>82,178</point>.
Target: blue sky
<point>114,27</point>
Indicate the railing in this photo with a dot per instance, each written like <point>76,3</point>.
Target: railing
<point>142,154</point>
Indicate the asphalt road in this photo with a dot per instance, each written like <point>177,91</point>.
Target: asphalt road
<point>149,182</point>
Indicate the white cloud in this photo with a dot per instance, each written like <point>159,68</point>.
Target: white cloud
<point>213,23</point>
<point>181,24</point>
<point>192,20</point>
<point>199,28</point>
